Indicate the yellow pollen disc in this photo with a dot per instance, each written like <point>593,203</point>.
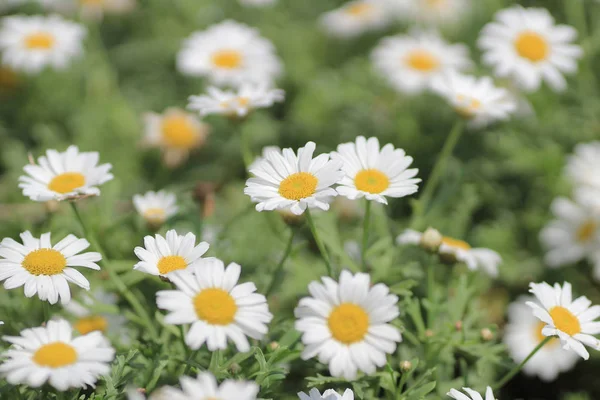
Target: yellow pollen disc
<point>586,231</point>
<point>532,46</point>
<point>371,181</point>
<point>67,182</point>
<point>90,324</point>
<point>565,321</point>
<point>422,60</point>
<point>359,9</point>
<point>468,107</point>
<point>178,131</point>
<point>434,3</point>
<point>298,186</point>
<point>460,244</point>
<point>228,59</point>
<point>243,101</point>
<point>155,215</point>
<point>44,262</point>
<point>55,355</point>
<point>171,263</point>
<point>215,306</point>
<point>348,323</point>
<point>39,41</point>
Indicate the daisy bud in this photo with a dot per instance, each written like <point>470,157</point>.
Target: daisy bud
<point>429,333</point>
<point>51,206</point>
<point>235,368</point>
<point>487,334</point>
<point>458,325</point>
<point>405,366</point>
<point>290,218</point>
<point>273,346</point>
<point>431,240</point>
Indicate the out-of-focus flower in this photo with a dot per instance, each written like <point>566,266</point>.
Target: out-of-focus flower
<point>433,12</point>
<point>329,394</point>
<point>156,207</point>
<point>235,104</point>
<point>473,395</point>
<point>257,3</point>
<point>229,53</point>
<point>525,45</point>
<point>356,17</point>
<point>411,62</point>
<point>583,166</point>
<point>90,9</point>
<point>205,387</point>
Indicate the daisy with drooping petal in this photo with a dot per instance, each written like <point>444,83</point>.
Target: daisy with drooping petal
<point>571,320</point>
<point>51,354</point>
<point>583,166</point>
<point>433,12</point>
<point>32,43</point>
<point>375,173</point>
<point>411,62</point>
<point>205,387</point>
<point>473,395</point>
<point>454,250</point>
<point>523,333</point>
<point>209,298</point>
<point>295,182</point>
<point>329,394</point>
<point>45,269</point>
<point>235,104</point>
<point>156,207</point>
<point>347,324</point>
<point>176,133</point>
<point>525,45</point>
<point>229,53</point>
<point>356,17</point>
<point>67,175</point>
<point>161,255</point>
<point>475,99</point>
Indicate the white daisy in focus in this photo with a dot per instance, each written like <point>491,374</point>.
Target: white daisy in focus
<point>205,386</point>
<point>434,12</point>
<point>32,43</point>
<point>229,53</point>
<point>161,255</point>
<point>525,45</point>
<point>411,62</point>
<point>284,180</point>
<point>329,394</point>
<point>257,3</point>
<point>156,207</point>
<point>176,133</point>
<point>475,99</point>
<point>51,354</point>
<point>235,103</point>
<point>67,175</point>
<point>356,17</point>
<point>209,298</point>
<point>583,166</point>
<point>45,269</point>
<point>94,10</point>
<point>523,333</point>
<point>453,250</point>
<point>571,320</point>
<point>373,172</point>
<point>472,395</point>
<point>347,324</point>
<point>263,156</point>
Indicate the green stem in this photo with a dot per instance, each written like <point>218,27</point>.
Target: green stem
<point>214,361</point>
<point>278,274</point>
<point>320,245</point>
<point>247,155</point>
<point>430,293</point>
<point>192,357</point>
<point>46,310</point>
<point>516,369</point>
<point>182,333</point>
<point>365,240</point>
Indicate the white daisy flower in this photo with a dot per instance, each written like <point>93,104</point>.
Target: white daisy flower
<point>329,394</point>
<point>583,166</point>
<point>205,387</point>
<point>454,250</point>
<point>67,175</point>
<point>90,9</point>
<point>411,62</point>
<point>235,103</point>
<point>434,12</point>
<point>156,207</point>
<point>160,255</point>
<point>284,180</point>
<point>475,99</point>
<point>346,324</point>
<point>45,269</point>
<point>526,45</point>
<point>229,53</point>
<point>263,156</point>
<point>523,333</point>
<point>50,354</point>
<point>257,3</point>
<point>209,298</point>
<point>571,320</point>
<point>375,173</point>
<point>176,133</point>
<point>32,43</point>
<point>356,17</point>
<point>473,395</point>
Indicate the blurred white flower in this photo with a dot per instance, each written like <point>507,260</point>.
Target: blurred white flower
<point>32,43</point>
<point>329,394</point>
<point>235,103</point>
<point>472,395</point>
<point>229,53</point>
<point>205,386</point>
<point>433,12</point>
<point>411,62</point>
<point>524,44</point>
<point>156,207</point>
<point>583,166</point>
<point>356,17</point>
<point>90,9</point>
<point>257,3</point>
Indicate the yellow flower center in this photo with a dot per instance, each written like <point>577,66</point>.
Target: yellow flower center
<point>178,131</point>
<point>39,41</point>
<point>586,231</point>
<point>532,46</point>
<point>468,106</point>
<point>459,244</point>
<point>243,101</point>
<point>298,186</point>
<point>539,336</point>
<point>434,3</point>
<point>55,355</point>
<point>348,323</point>
<point>227,59</point>
<point>359,9</point>
<point>92,323</point>
<point>67,182</point>
<point>371,181</point>
<point>44,262</point>
<point>155,215</point>
<point>422,60</point>
<point>565,321</point>
<point>215,306</point>
<point>171,263</point>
